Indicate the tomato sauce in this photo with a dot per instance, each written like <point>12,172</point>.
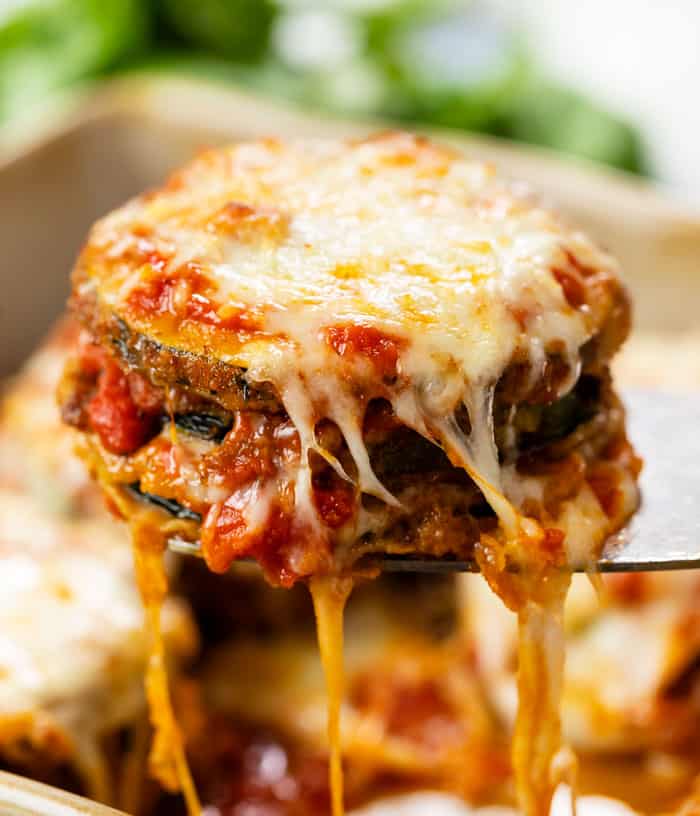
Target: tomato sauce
<point>227,535</point>
<point>335,501</point>
<point>125,409</point>
<point>258,463</point>
<point>256,447</point>
<point>380,349</point>
<point>266,529</point>
<point>258,773</point>
<point>553,543</point>
<point>187,294</point>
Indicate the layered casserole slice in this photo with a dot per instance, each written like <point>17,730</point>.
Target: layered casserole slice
<point>309,353</point>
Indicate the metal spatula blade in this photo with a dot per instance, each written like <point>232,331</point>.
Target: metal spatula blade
<point>665,533</point>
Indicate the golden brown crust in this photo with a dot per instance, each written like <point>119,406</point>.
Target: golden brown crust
<point>153,276</point>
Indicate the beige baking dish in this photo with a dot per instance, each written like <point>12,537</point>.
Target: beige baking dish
<point>22,797</point>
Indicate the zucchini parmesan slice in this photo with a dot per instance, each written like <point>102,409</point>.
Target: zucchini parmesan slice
<point>310,352</point>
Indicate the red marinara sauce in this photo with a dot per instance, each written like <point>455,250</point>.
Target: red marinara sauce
<point>259,463</point>
<point>125,409</point>
<point>187,294</point>
<point>380,349</point>
<point>335,501</point>
<point>259,773</point>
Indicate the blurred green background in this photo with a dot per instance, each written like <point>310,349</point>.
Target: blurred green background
<point>442,62</point>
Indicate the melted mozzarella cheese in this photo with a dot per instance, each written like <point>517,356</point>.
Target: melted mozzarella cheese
<point>329,597</point>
